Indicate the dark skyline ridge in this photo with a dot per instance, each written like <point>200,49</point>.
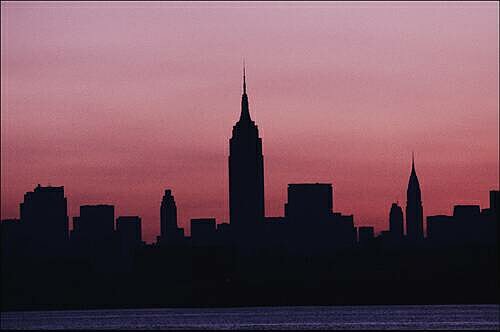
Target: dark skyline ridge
<point>356,164</point>
<point>245,118</point>
<point>223,263</point>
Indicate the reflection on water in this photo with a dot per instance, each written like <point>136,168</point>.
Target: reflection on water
<point>265,318</point>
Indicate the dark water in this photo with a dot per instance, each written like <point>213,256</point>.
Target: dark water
<point>347,317</point>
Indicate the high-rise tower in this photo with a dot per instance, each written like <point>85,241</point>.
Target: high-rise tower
<point>44,218</point>
<point>396,221</point>
<point>414,210</point>
<point>169,231</point>
<point>246,171</point>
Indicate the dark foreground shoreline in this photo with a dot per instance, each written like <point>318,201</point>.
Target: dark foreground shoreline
<point>217,277</point>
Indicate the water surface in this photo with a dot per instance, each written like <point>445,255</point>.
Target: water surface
<point>468,317</point>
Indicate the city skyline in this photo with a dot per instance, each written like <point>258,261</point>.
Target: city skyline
<point>175,164</point>
<point>133,142</point>
<point>44,211</point>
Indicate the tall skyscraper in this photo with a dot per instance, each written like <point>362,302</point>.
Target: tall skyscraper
<point>414,210</point>
<point>44,219</point>
<point>169,231</point>
<point>396,221</point>
<point>246,171</point>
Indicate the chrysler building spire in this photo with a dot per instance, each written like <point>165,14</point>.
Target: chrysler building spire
<point>414,210</point>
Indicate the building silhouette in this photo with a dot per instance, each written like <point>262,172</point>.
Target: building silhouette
<point>440,229</point>
<point>492,215</point>
<point>44,220</point>
<point>309,203</point>
<point>203,232</point>
<point>310,223</point>
<point>469,225</point>
<point>494,201</point>
<point>342,230</point>
<point>414,209</point>
<point>308,210</point>
<point>129,232</point>
<point>246,172</point>
<point>94,230</point>
<point>170,233</point>
<point>365,235</point>
<point>396,222</point>
<point>224,233</point>
<point>11,237</point>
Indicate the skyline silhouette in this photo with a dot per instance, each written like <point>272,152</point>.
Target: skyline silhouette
<point>352,159</point>
<point>309,215</point>
<point>311,255</point>
<point>306,202</point>
<point>341,95</point>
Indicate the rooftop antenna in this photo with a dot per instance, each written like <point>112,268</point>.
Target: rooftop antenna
<point>244,78</point>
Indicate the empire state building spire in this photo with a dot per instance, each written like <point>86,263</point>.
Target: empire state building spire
<point>244,81</point>
<point>245,113</point>
<point>246,173</point>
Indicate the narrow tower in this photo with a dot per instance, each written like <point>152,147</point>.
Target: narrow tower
<point>246,171</point>
<point>414,210</point>
<point>396,221</point>
<point>169,231</point>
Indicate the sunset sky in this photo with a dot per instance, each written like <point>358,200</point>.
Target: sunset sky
<point>119,101</point>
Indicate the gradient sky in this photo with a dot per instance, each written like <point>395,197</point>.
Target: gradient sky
<point>119,101</point>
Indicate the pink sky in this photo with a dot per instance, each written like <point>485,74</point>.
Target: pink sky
<point>119,101</point>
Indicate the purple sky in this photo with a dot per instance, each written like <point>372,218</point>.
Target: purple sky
<point>118,101</point>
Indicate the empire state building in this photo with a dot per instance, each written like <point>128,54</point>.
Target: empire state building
<point>246,171</point>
